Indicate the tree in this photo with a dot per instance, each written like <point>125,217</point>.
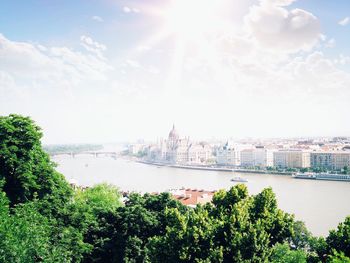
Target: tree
<point>99,198</point>
<point>189,237</point>
<point>122,235</point>
<point>338,258</point>
<point>278,224</point>
<point>32,185</point>
<point>339,239</point>
<point>25,168</point>
<point>225,200</point>
<point>93,209</point>
<point>301,237</point>
<point>281,253</point>
<point>25,235</point>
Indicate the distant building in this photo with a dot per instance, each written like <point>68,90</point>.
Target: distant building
<point>257,157</point>
<point>135,148</point>
<point>178,150</point>
<point>199,153</point>
<point>330,160</point>
<point>291,159</point>
<point>341,160</point>
<point>228,154</point>
<point>321,160</point>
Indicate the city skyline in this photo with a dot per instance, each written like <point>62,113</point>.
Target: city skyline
<point>107,71</point>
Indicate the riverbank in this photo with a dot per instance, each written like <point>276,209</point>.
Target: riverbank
<point>215,168</point>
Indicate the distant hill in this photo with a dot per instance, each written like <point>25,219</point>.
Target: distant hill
<point>74,148</point>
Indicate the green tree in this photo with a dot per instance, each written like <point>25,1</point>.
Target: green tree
<point>25,168</point>
<point>339,239</point>
<point>225,200</point>
<point>189,237</point>
<point>338,258</point>
<point>89,213</point>
<point>25,235</point>
<point>32,185</point>
<point>278,224</point>
<point>301,236</point>
<point>281,253</point>
<point>100,198</point>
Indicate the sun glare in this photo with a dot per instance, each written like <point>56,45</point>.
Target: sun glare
<point>188,18</point>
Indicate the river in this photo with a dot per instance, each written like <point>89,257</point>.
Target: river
<point>322,205</point>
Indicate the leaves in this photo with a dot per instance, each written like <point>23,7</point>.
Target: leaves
<point>24,167</point>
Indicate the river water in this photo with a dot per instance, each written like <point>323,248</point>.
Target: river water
<point>322,205</point>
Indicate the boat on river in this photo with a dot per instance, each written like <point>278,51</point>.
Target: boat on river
<point>323,176</point>
<point>239,179</point>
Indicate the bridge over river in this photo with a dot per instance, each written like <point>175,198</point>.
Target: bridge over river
<point>93,153</point>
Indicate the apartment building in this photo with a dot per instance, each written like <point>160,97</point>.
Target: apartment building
<point>291,159</point>
<point>330,160</point>
<point>256,157</point>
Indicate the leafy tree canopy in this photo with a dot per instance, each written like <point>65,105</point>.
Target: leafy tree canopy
<point>25,168</point>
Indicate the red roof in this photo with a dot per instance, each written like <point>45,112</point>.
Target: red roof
<point>194,196</point>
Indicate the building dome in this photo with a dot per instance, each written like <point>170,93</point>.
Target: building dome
<point>173,133</point>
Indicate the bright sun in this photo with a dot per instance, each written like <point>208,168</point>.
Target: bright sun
<point>189,18</point>
<point>191,25</point>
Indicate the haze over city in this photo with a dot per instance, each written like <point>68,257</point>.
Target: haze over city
<point>121,70</point>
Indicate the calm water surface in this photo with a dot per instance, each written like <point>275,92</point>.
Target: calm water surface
<point>320,204</point>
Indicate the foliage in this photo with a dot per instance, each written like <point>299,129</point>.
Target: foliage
<point>338,258</point>
<point>24,167</point>
<point>99,198</point>
<point>236,228</point>
<point>339,239</point>
<point>281,253</point>
<point>71,148</point>
<point>25,235</point>
<point>302,237</point>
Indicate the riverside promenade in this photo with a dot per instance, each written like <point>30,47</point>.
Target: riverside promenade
<point>214,168</point>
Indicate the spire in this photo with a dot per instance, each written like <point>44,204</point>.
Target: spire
<point>173,133</point>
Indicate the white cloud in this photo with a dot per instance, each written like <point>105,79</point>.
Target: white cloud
<point>318,75</point>
<point>342,60</point>
<point>344,21</point>
<point>93,46</point>
<point>90,42</point>
<point>278,29</point>
<point>277,2</point>
<point>36,65</point>
<point>127,9</point>
<point>97,18</point>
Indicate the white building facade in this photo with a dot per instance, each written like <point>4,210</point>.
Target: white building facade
<point>291,159</point>
<point>257,157</point>
<point>228,155</point>
<point>176,150</point>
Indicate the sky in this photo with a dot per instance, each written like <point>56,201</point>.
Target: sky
<point>120,70</point>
